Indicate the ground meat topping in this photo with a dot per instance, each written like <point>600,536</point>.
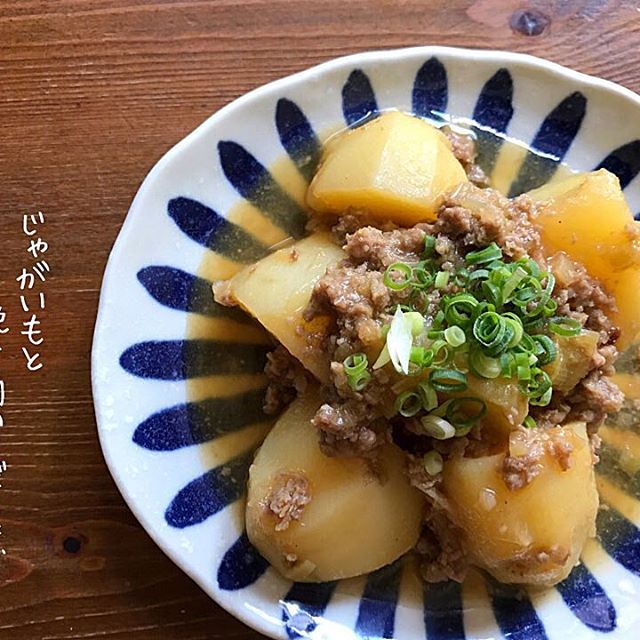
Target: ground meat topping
<point>464,149</point>
<point>287,379</point>
<point>476,217</point>
<point>288,498</point>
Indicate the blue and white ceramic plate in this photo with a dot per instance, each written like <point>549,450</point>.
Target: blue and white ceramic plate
<point>177,379</point>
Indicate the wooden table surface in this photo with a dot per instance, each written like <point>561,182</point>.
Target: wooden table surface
<point>92,93</point>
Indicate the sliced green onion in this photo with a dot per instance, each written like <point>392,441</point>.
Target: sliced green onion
<point>565,327</point>
<point>484,366</point>
<point>355,364</point>
<point>417,322</point>
<point>512,283</point>
<point>433,463</point>
<point>428,396</point>
<point>458,309</point>
<point>465,412</point>
<point>478,274</point>
<point>461,277</point>
<point>523,368</point>
<point>422,278</point>
<point>383,358</point>
<point>529,422</point>
<point>441,353</point>
<point>537,386</point>
<point>515,323</point>
<point>547,350</point>
<point>398,276</point>
<point>455,336</point>
<point>490,330</point>
<point>417,355</point>
<point>400,341</point>
<point>442,279</point>
<point>429,246</point>
<point>507,365</point>
<point>408,404</point>
<point>359,381</point>
<point>448,380</point>
<point>438,427</point>
<point>488,254</point>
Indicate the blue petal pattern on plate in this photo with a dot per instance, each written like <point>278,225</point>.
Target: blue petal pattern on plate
<point>430,91</point>
<point>298,137</point>
<point>198,422</point>
<point>303,605</point>
<point>493,112</point>
<point>553,139</point>
<point>211,230</point>
<point>185,359</point>
<point>241,565</point>
<point>183,291</point>
<point>514,613</point>
<point>587,600</point>
<point>256,184</point>
<point>358,99</point>
<point>624,162</point>
<point>443,611</point>
<point>377,612</point>
<point>210,493</point>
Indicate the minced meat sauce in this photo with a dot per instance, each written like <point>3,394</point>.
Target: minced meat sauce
<point>353,294</point>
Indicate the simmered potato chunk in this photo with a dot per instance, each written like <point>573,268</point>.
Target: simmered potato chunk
<point>534,534</point>
<point>396,167</point>
<point>574,359</point>
<point>507,406</point>
<point>351,517</point>
<point>587,217</point>
<point>277,288</point>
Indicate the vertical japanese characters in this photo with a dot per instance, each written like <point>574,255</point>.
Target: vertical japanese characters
<point>31,282</point>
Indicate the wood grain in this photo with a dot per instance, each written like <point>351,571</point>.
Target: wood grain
<point>92,93</point>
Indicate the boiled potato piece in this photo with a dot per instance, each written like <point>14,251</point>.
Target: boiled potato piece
<point>587,217</point>
<point>574,359</point>
<point>532,535</point>
<point>507,406</point>
<point>396,167</point>
<point>357,518</point>
<point>276,290</point>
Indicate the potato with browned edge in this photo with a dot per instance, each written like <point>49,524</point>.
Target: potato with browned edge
<point>395,167</point>
<point>276,290</point>
<point>534,534</point>
<point>342,517</point>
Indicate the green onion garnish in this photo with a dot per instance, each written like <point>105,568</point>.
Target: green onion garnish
<point>464,412</point>
<point>488,254</point>
<point>448,380</point>
<point>455,336</point>
<point>359,381</point>
<point>438,427</point>
<point>442,279</point>
<point>398,276</point>
<point>408,404</point>
<point>429,246</point>
<point>355,363</point>
<point>433,463</point>
<point>428,396</point>
<point>484,366</point>
<point>563,326</point>
<point>529,422</point>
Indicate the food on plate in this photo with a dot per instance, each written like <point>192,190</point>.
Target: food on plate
<point>302,506</point>
<point>445,354</point>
